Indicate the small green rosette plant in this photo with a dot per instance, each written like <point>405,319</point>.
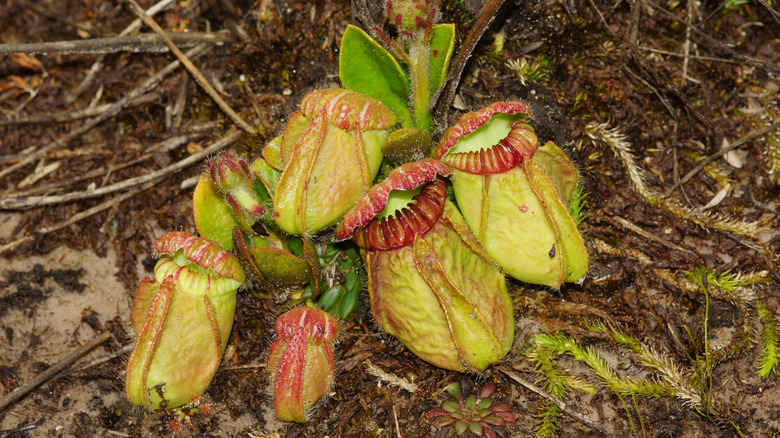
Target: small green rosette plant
<point>514,194</point>
<point>430,283</point>
<point>183,320</point>
<point>300,361</point>
<point>330,153</point>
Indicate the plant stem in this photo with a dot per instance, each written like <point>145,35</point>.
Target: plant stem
<point>419,54</point>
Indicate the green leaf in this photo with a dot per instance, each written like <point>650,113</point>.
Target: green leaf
<point>769,341</point>
<point>348,303</point>
<point>442,45</point>
<point>366,67</point>
<point>295,244</point>
<point>351,283</point>
<point>329,298</point>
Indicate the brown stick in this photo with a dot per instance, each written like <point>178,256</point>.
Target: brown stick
<point>760,63</point>
<point>43,377</point>
<point>70,116</point>
<point>37,201</point>
<point>202,81</point>
<point>114,110</point>
<point>82,215</point>
<point>146,42</point>
<point>97,66</point>
<point>441,107</point>
<point>164,146</point>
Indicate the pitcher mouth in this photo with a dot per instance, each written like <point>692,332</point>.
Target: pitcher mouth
<point>491,140</point>
<point>407,203</point>
<point>398,229</point>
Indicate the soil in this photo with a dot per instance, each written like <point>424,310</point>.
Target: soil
<point>622,64</point>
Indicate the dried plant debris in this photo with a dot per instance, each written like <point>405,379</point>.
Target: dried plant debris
<point>619,144</point>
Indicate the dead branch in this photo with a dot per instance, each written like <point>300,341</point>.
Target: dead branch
<point>144,88</point>
<point>17,203</point>
<point>760,63</point>
<point>775,14</point>
<point>202,81</point>
<point>108,204</point>
<point>97,361</point>
<point>52,15</point>
<point>73,115</point>
<point>443,97</point>
<point>82,215</point>
<point>161,147</point>
<point>697,57</point>
<point>97,66</point>
<point>655,75</point>
<point>145,42</point>
<point>44,377</point>
<point>648,235</point>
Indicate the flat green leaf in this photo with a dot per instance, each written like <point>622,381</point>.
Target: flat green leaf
<point>348,303</point>
<point>442,45</point>
<point>366,67</point>
<point>330,297</point>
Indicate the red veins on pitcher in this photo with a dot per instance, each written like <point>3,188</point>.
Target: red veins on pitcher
<point>301,361</point>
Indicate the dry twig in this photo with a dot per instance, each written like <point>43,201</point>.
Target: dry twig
<point>115,201</point>
<point>751,136</point>
<point>144,88</point>
<point>760,63</point>
<point>166,145</point>
<point>147,42</point>
<point>390,379</point>
<point>45,376</point>
<point>97,66</point>
<point>648,235</point>
<point>561,405</point>
<point>38,201</point>
<point>202,81</point>
<point>72,115</point>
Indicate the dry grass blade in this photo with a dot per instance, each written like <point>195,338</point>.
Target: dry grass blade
<point>50,372</point>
